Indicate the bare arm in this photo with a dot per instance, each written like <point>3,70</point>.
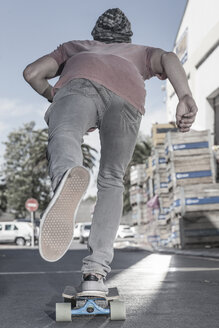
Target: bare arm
<point>170,64</point>
<point>176,74</point>
<point>38,73</point>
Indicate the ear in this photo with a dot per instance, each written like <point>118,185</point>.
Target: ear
<point>156,60</point>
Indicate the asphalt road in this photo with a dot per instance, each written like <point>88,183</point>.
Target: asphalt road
<point>173,291</point>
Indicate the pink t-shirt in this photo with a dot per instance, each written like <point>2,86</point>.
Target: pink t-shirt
<point>120,67</point>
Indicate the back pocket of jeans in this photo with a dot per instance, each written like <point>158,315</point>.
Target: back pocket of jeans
<point>81,86</point>
<point>130,114</point>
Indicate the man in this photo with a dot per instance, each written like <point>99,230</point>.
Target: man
<point>101,85</point>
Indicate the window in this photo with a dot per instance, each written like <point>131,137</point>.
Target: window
<point>8,227</point>
<point>0,227</point>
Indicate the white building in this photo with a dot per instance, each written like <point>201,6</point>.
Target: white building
<point>196,45</point>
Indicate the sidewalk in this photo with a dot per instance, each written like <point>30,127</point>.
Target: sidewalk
<point>139,243</point>
<point>200,252</point>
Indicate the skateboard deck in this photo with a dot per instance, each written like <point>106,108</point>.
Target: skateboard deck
<point>71,292</point>
<point>77,303</point>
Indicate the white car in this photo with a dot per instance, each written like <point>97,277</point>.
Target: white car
<point>124,231</point>
<point>15,232</point>
<point>77,230</point>
<point>84,232</point>
<point>36,227</point>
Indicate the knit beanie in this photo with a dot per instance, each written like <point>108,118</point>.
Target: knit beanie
<point>112,26</point>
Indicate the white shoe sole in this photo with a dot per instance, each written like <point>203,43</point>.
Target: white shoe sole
<point>57,223</point>
<point>92,293</point>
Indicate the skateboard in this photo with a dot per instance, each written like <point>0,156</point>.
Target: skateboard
<point>77,303</point>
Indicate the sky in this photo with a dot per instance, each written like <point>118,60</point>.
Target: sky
<point>31,29</point>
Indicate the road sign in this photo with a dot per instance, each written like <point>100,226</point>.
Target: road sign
<point>31,204</point>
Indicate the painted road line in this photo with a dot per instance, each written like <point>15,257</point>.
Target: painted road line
<point>151,270</point>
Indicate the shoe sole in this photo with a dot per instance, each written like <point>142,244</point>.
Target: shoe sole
<point>57,224</point>
<point>95,293</point>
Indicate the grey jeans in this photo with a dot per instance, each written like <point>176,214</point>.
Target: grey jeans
<point>78,106</point>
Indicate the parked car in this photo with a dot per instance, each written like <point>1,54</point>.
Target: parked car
<point>36,228</point>
<point>77,230</point>
<point>15,232</point>
<point>124,231</point>
<point>84,232</point>
<point>36,221</point>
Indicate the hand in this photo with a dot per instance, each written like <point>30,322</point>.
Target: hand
<point>48,93</point>
<point>185,113</point>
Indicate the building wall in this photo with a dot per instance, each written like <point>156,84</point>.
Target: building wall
<point>200,59</point>
<point>206,81</point>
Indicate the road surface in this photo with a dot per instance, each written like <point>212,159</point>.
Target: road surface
<point>160,291</point>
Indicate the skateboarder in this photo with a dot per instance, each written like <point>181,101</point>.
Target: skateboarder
<point>101,86</point>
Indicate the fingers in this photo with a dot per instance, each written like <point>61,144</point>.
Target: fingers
<point>185,113</point>
<point>189,114</point>
<point>184,125</point>
<point>185,122</point>
<point>188,106</point>
<point>184,130</point>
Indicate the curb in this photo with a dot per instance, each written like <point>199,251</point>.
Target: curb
<point>12,247</point>
<point>214,253</point>
<point>199,253</point>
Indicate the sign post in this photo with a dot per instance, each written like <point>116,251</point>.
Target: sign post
<point>32,205</point>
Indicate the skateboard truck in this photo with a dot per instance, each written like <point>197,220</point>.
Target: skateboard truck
<point>115,307</point>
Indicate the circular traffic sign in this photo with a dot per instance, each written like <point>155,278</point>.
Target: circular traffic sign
<point>31,204</point>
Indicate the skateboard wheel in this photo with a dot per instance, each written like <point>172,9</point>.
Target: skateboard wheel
<point>63,312</point>
<point>117,310</point>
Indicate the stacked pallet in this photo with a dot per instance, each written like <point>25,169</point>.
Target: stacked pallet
<point>157,182</point>
<point>162,174</point>
<point>162,188</point>
<point>137,174</point>
<point>182,165</point>
<point>191,157</point>
<point>197,214</point>
<point>149,183</point>
<point>138,193</point>
<point>216,158</point>
<point>176,193</point>
<point>159,131</point>
<point>192,176</point>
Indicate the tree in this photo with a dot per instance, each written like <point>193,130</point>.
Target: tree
<point>26,168</point>
<point>3,198</point>
<point>24,178</point>
<point>141,153</point>
<point>40,155</point>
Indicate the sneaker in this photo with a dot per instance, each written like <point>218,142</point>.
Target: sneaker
<point>57,224</point>
<point>93,285</point>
